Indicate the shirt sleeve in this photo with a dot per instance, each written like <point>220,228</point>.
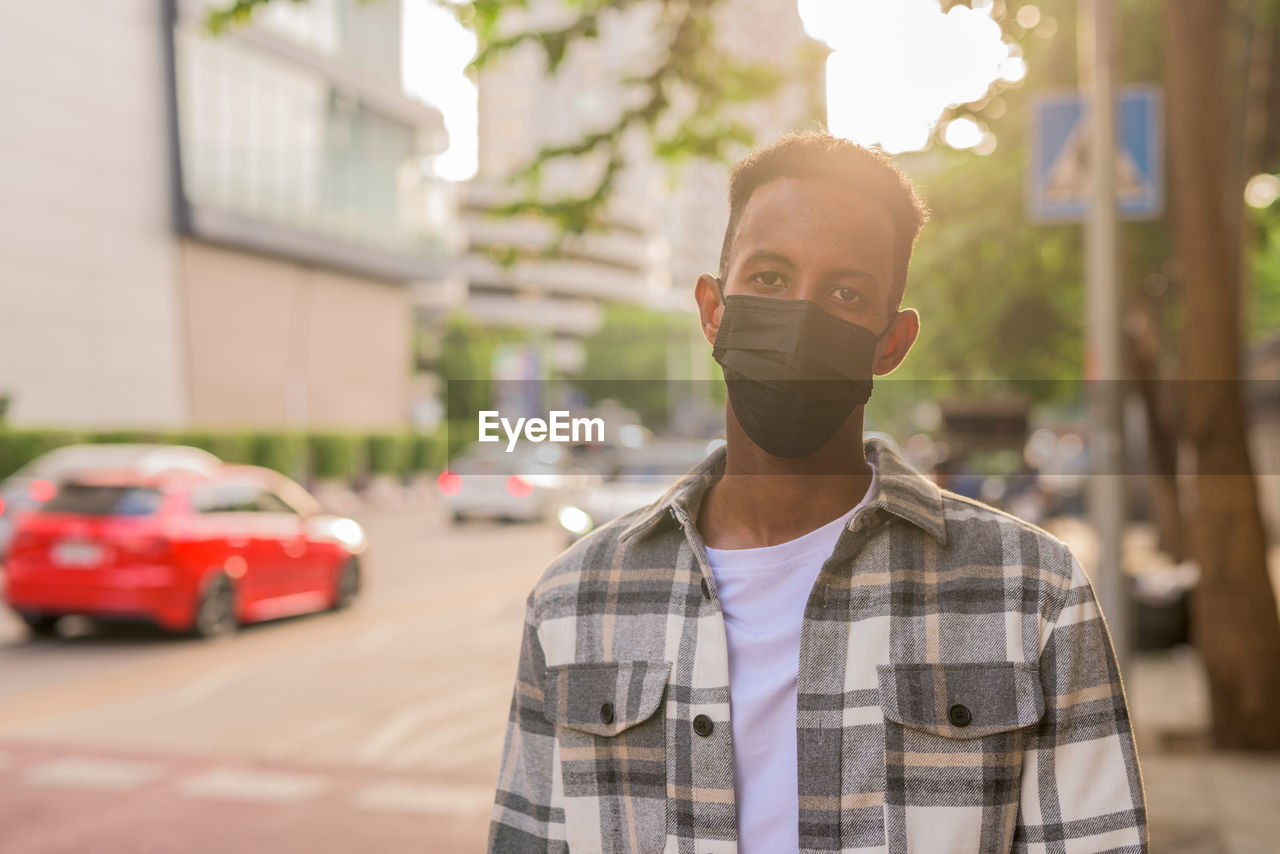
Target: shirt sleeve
<point>526,815</point>
<point>1081,782</point>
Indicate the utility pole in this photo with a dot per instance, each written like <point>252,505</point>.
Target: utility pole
<point>1103,358</point>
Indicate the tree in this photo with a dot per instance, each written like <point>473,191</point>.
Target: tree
<point>684,102</point>
<point>1000,292</point>
<point>1235,620</point>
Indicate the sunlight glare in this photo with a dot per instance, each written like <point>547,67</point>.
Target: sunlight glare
<point>898,65</point>
<point>435,50</point>
<point>963,132</point>
<point>1262,190</point>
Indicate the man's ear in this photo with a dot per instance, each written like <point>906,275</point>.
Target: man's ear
<point>902,333</point>
<point>710,306</point>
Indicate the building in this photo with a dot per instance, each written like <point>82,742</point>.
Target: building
<point>521,109</point>
<point>662,232</point>
<point>212,231</point>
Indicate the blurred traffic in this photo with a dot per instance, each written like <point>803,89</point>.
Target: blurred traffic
<point>633,478</point>
<point>172,536</point>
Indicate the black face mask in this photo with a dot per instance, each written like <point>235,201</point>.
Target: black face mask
<point>794,371</point>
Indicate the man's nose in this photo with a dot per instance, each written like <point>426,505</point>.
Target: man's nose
<point>808,288</point>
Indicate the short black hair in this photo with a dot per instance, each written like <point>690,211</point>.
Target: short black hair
<point>818,154</point>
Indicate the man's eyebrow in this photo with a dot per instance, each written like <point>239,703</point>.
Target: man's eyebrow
<point>769,255</point>
<point>778,258</point>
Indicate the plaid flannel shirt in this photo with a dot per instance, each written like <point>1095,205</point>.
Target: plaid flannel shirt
<point>957,691</point>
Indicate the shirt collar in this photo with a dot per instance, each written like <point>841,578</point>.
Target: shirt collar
<point>901,490</point>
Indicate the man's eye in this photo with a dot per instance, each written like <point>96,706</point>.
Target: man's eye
<point>846,294</point>
<point>769,279</point>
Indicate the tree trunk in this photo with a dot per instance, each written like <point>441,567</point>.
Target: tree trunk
<point>1142,358</point>
<point>1234,616</point>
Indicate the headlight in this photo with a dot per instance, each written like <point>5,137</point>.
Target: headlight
<point>348,532</point>
<point>575,520</point>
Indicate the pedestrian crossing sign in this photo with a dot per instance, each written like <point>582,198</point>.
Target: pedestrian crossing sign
<point>1059,175</point>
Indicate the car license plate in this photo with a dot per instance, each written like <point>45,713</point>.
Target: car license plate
<point>77,554</point>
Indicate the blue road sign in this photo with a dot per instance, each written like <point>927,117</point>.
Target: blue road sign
<point>1058,188</point>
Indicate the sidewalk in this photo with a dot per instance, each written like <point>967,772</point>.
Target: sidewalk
<point>1200,800</point>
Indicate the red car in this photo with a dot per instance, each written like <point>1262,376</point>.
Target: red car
<point>188,551</point>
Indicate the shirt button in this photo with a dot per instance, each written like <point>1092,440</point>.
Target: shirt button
<point>703,726</point>
<point>706,589</point>
<point>606,713</point>
<point>959,715</point>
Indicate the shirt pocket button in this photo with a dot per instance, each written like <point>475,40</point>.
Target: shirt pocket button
<point>606,713</point>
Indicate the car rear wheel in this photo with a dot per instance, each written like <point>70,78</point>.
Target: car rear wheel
<point>348,586</point>
<point>41,625</point>
<point>216,611</point>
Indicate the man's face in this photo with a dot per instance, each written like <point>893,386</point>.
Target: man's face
<point>804,239</point>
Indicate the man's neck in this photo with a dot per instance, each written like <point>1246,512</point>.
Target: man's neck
<point>763,500</point>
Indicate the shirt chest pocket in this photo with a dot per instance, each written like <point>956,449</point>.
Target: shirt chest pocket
<point>955,736</point>
<point>613,758</point>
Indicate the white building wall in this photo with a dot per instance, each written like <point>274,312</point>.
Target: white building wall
<point>697,210</point>
<point>89,315</point>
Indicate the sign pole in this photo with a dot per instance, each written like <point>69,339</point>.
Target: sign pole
<point>1103,356</point>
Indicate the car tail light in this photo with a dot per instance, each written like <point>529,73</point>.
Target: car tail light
<point>41,490</point>
<point>449,482</point>
<point>518,486</point>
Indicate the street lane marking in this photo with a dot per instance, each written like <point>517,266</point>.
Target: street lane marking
<point>108,775</point>
<point>418,798</point>
<point>385,738</point>
<point>436,747</point>
<point>171,670</point>
<point>234,784</point>
<point>202,688</point>
<point>446,707</point>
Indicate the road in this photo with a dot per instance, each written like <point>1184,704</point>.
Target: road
<point>379,728</point>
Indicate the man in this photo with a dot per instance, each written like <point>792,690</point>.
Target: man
<point>806,645</point>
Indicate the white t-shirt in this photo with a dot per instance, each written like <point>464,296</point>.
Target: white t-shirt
<point>763,593</point>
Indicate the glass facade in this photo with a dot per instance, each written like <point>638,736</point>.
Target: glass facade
<point>270,138</point>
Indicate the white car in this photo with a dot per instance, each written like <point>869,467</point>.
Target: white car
<point>37,481</point>
<point>524,485</point>
<point>641,477</point>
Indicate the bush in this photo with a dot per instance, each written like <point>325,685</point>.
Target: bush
<point>336,455</point>
<point>228,447</point>
<point>129,437</point>
<point>386,452</point>
<point>460,435</point>
<point>424,453</point>
<point>344,456</point>
<point>19,447</point>
<point>282,452</point>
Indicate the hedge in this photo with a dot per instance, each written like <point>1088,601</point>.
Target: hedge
<point>19,447</point>
<point>327,455</point>
<point>386,453</point>
<point>287,453</point>
<point>425,453</point>
<point>336,456</point>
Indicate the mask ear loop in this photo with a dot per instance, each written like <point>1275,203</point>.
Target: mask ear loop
<point>720,286</point>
